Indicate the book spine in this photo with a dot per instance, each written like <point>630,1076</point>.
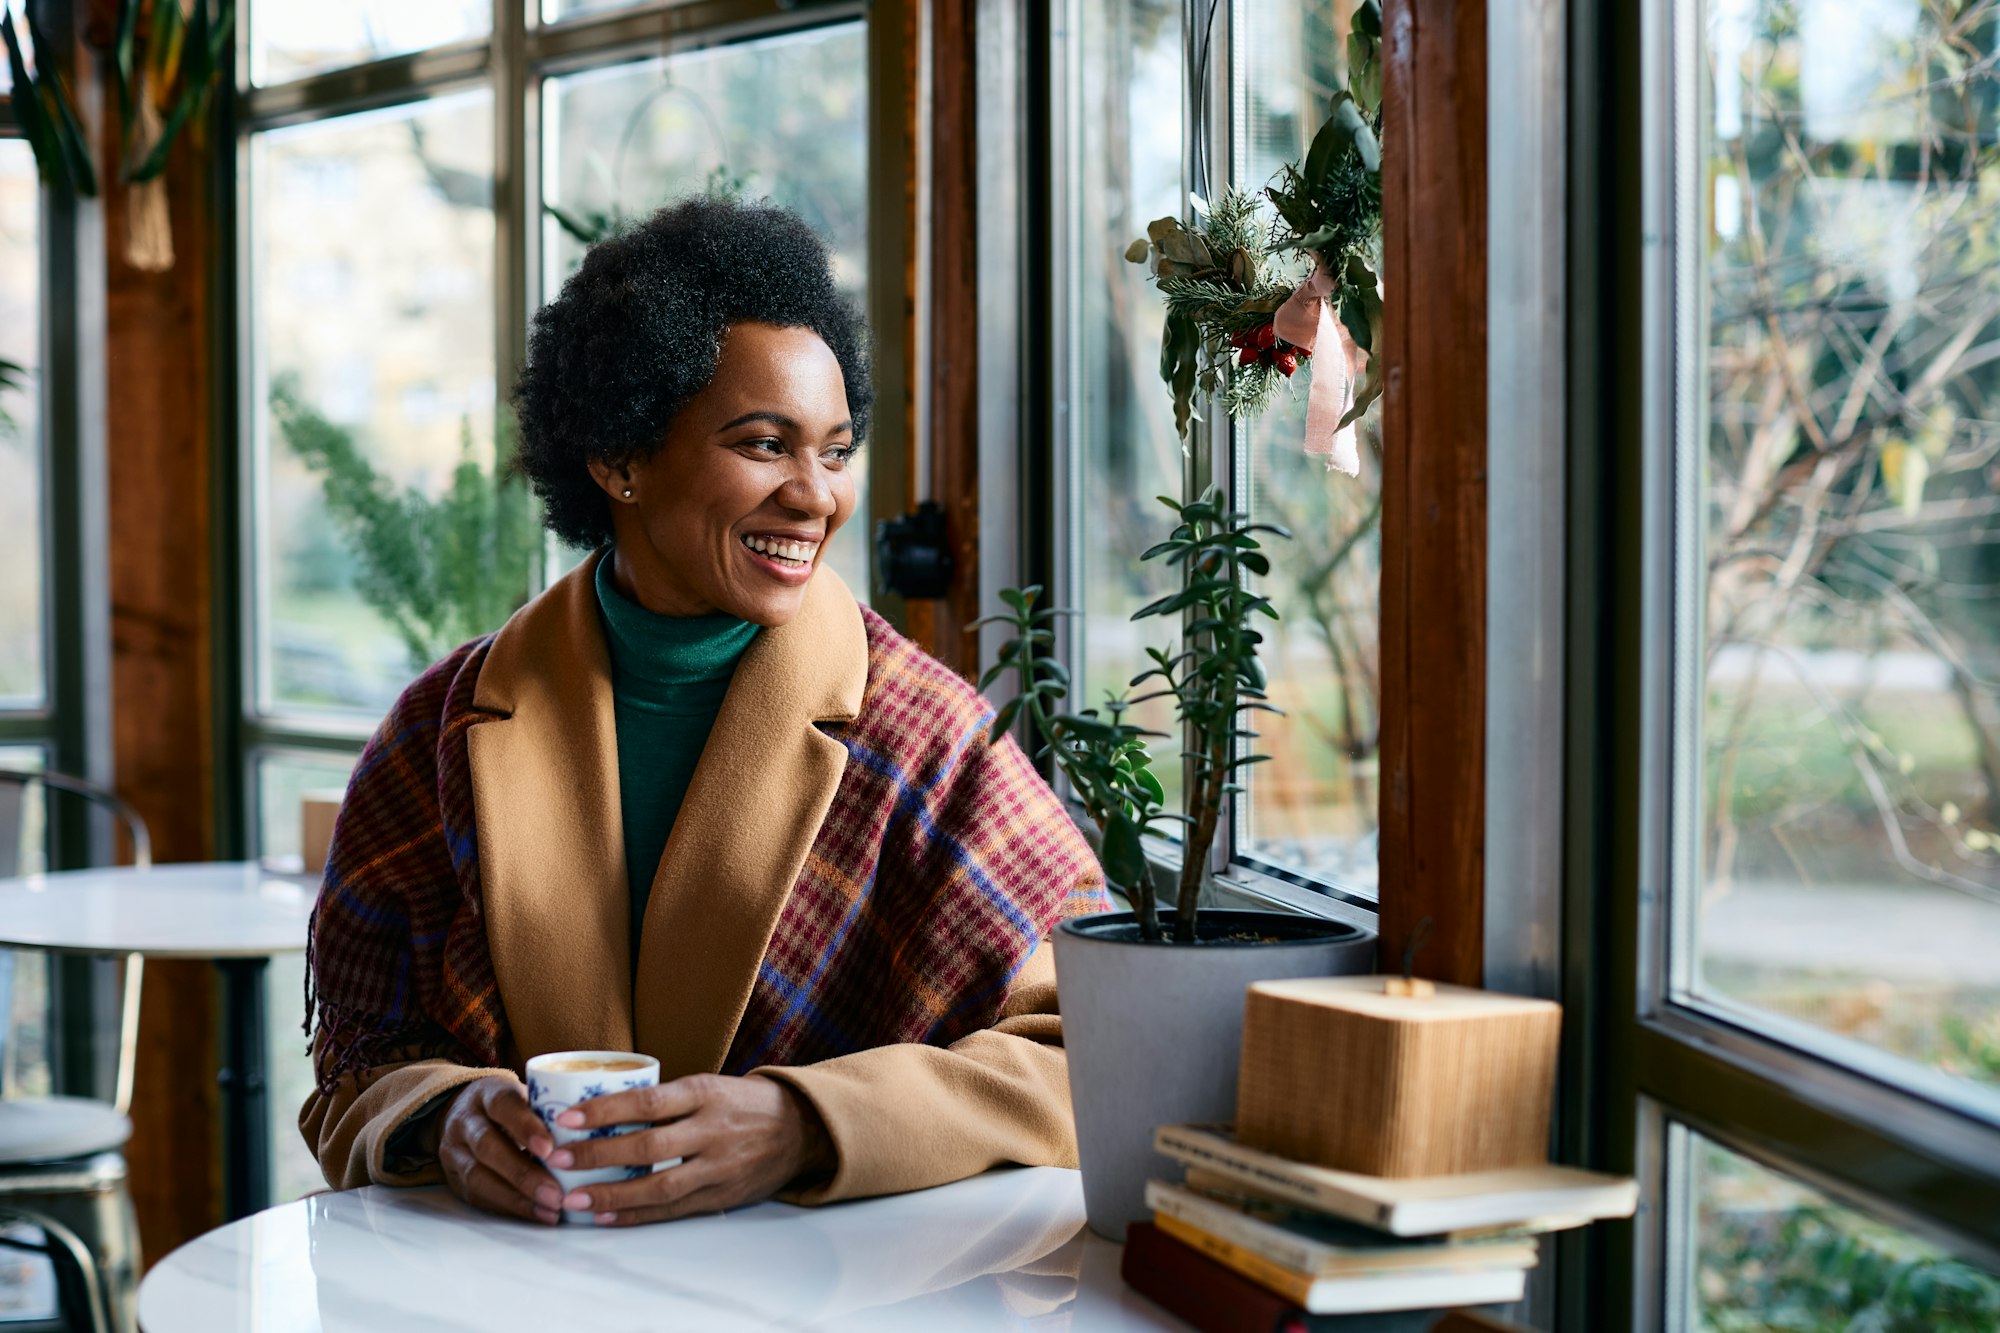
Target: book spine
<point>1301,1256</point>
<point>1295,1189</point>
<point>1185,1282</point>
<point>1293,1286</point>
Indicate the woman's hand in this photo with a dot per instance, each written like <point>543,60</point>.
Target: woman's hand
<point>488,1140</point>
<point>740,1140</point>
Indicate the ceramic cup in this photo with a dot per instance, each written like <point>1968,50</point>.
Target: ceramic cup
<point>561,1079</point>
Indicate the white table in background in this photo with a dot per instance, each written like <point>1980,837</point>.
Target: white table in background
<point>1000,1251</point>
<point>236,914</point>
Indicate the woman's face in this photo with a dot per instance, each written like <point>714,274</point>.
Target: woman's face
<point>734,512</point>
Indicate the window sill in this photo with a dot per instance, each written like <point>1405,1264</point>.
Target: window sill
<point>1243,887</point>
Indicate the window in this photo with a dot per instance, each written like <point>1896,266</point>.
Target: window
<point>1847,890</point>
<point>413,184</point>
<point>1804,616</point>
<point>1127,129</point>
<point>1132,129</point>
<point>1312,809</point>
<point>783,118</point>
<point>22,668</point>
<point>402,376</point>
<point>291,40</point>
<point>1760,1250</point>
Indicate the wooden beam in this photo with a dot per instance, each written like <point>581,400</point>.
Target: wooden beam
<point>157,482</point>
<point>1434,484</point>
<point>951,379</point>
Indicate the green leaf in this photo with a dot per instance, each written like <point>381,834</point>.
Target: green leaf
<point>1124,855</point>
<point>1364,66</point>
<point>1180,364</point>
<point>28,108</point>
<point>65,129</point>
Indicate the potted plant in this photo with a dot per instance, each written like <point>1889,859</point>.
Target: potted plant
<point>1153,998</point>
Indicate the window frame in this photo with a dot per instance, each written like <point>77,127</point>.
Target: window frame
<point>1208,147</point>
<point>69,437</point>
<point>1864,1129</point>
<point>511,63</point>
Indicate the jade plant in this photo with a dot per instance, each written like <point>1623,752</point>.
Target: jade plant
<point>1212,676</point>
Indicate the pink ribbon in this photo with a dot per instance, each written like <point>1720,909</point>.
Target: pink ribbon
<point>1306,321</point>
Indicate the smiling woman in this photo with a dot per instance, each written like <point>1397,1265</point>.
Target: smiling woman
<point>694,801</point>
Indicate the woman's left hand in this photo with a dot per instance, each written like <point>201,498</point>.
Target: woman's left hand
<point>740,1140</point>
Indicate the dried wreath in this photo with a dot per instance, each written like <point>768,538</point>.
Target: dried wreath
<point>1242,318</point>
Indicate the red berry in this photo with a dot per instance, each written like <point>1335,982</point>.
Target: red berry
<point>1241,338</point>
<point>1286,363</point>
<point>1302,353</point>
<point>1267,335</point>
<point>1248,356</point>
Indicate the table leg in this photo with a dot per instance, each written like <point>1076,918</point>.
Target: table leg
<point>246,1119</point>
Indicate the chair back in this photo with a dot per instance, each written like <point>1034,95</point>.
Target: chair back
<point>25,809</point>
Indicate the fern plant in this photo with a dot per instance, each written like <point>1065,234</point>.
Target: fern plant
<point>440,571</point>
<point>13,377</point>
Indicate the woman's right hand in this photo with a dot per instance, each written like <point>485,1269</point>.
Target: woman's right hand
<point>491,1144</point>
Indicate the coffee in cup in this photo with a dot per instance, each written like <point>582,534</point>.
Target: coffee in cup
<point>559,1080</point>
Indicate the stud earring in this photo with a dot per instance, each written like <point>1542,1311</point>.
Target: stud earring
<point>628,492</point>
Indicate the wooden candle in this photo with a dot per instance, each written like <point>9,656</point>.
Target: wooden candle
<point>1373,1075</point>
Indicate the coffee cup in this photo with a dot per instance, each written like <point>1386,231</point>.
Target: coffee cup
<point>561,1079</point>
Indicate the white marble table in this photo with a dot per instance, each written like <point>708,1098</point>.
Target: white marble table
<point>1005,1250</point>
<point>232,912</point>
<point>223,909</point>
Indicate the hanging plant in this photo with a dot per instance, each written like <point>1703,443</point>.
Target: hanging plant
<point>167,64</point>
<point>166,61</point>
<point>1221,296</point>
<point>45,109</point>
<point>1241,320</point>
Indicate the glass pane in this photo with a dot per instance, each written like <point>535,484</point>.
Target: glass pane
<point>784,118</point>
<point>24,973</point>
<point>555,11</point>
<point>372,290</point>
<point>1125,172</point>
<point>1850,825</point>
<point>1770,1253</point>
<point>294,38</point>
<point>1313,807</point>
<point>281,780</point>
<point>21,573</point>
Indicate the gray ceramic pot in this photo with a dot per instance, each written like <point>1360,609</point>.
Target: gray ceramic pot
<point>1153,1032</point>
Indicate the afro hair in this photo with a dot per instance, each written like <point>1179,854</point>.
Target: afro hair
<point>637,330</point>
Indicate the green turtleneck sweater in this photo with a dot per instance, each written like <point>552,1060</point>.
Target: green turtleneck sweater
<point>668,676</point>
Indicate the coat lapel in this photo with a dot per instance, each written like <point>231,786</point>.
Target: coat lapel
<point>760,793</point>
<point>551,846</point>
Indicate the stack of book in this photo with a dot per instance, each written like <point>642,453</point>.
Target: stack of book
<point>1253,1241</point>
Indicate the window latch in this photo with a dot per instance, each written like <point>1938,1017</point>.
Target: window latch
<point>913,552</point>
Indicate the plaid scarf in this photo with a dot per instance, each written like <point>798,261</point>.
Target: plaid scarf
<point>941,865</point>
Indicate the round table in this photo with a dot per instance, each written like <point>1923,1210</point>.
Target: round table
<point>232,912</point>
<point>999,1251</point>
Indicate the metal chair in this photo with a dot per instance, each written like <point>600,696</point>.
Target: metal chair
<point>61,1166</point>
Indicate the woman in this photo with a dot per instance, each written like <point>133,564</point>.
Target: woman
<point>694,801</point>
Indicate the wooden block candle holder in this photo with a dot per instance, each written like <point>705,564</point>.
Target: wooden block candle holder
<point>1389,1078</point>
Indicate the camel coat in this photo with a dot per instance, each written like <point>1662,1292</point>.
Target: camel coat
<point>544,783</point>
